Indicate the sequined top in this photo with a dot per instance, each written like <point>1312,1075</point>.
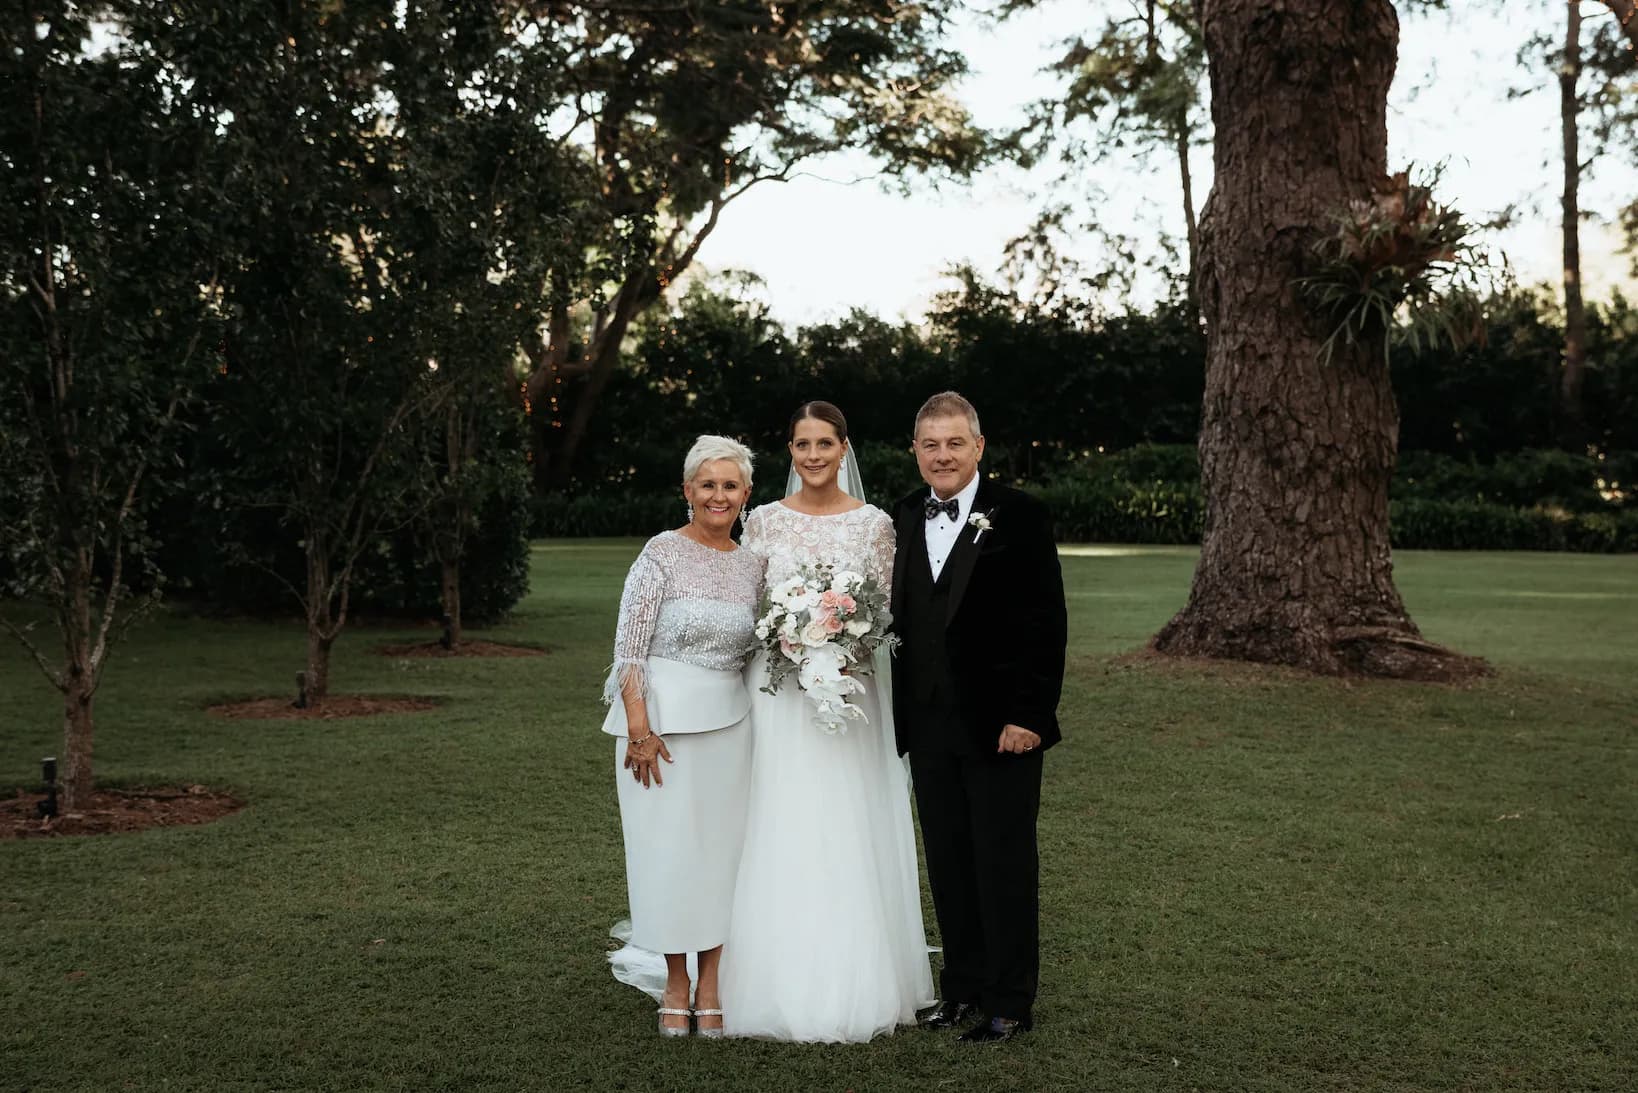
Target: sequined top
<point>861,540</point>
<point>687,602</point>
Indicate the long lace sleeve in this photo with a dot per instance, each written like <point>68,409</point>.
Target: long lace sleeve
<point>882,541</point>
<point>639,612</point>
<point>751,538</point>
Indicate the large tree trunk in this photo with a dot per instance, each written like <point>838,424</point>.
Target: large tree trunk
<point>1296,454</point>
<point>1571,419</point>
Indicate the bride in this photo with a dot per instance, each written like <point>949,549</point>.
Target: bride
<point>825,941</point>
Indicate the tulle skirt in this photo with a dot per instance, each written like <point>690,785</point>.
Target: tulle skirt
<point>825,941</point>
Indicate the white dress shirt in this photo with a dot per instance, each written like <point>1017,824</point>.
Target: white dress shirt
<point>942,532</point>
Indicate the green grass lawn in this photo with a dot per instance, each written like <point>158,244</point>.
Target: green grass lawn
<point>1252,880</point>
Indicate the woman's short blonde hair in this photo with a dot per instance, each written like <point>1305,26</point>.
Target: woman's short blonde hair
<point>708,448</point>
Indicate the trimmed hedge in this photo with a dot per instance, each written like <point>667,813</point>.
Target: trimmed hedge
<point>1151,494</point>
<point>1472,525</point>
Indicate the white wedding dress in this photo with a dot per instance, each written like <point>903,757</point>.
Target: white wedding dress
<point>825,940</point>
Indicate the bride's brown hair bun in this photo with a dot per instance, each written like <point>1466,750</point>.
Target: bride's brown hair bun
<point>818,410</point>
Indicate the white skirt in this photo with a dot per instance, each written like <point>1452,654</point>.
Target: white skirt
<point>683,839</point>
<point>826,940</point>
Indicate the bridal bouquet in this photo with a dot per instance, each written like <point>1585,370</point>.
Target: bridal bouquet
<point>824,624</point>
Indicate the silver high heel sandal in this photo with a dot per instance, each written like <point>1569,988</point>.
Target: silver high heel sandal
<point>667,1030</point>
<point>708,1033</point>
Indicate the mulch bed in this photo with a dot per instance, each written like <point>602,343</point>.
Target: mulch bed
<point>464,649</point>
<point>333,708</point>
<point>1453,669</point>
<point>114,811</point>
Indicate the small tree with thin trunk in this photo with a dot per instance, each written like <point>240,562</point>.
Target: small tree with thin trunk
<point>106,331</point>
<point>1297,443</point>
<point>485,201</point>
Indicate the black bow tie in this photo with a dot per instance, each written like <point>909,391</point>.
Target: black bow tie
<point>950,508</point>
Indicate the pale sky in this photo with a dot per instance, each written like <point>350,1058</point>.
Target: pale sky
<point>824,245</point>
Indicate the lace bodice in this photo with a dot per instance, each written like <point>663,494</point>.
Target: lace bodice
<point>861,540</point>
<point>685,601</point>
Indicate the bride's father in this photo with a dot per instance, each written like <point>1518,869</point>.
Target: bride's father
<point>978,600</point>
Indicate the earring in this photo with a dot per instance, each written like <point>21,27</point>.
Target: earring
<point>690,512</point>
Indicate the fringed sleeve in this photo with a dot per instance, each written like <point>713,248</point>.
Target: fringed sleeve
<point>639,612</point>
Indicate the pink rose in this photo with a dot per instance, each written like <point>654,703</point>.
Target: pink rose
<point>833,624</point>
<point>830,600</point>
<point>786,647</point>
<point>846,603</point>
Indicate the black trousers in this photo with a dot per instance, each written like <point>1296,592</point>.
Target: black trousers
<point>978,828</point>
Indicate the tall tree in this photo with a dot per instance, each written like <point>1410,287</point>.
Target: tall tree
<point>1297,444</point>
<point>105,332</point>
<point>1591,62</point>
<point>1138,87</point>
<point>1572,377</point>
<point>488,205</point>
<point>683,107</point>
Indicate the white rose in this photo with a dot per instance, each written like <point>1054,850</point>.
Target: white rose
<point>814,633</point>
<point>858,627</point>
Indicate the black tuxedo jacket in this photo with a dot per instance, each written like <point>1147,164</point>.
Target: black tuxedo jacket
<point>1006,625</point>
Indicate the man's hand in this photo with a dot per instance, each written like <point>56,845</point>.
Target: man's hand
<point>1018,740</point>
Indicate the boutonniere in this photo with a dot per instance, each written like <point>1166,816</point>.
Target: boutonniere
<point>981,521</point>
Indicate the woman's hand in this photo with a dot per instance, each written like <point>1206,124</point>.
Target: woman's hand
<point>644,750</point>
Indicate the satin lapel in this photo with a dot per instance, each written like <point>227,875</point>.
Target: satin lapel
<point>964,555</point>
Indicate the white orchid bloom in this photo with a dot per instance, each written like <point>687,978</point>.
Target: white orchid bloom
<point>847,582</point>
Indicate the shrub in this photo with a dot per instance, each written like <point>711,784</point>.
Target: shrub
<point>1471,525</point>
<point>1545,478</point>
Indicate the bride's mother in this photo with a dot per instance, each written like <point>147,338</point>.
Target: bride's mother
<point>678,705</point>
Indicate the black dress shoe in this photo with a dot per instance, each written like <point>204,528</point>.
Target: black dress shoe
<point>995,1030</point>
<point>948,1015</point>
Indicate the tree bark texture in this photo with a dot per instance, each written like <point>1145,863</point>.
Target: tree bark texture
<point>451,594</point>
<point>1296,454</point>
<point>321,627</point>
<point>1571,420</point>
<point>79,685</point>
